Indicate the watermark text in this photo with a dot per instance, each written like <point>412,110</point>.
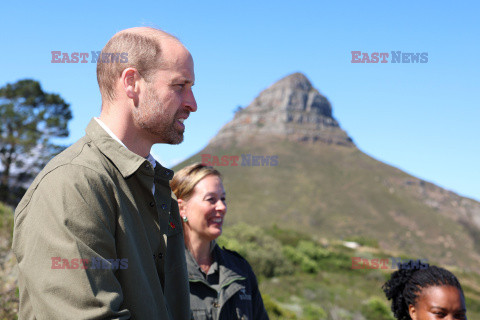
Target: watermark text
<point>392,57</point>
<point>82,57</point>
<point>244,160</point>
<point>388,263</point>
<point>94,263</point>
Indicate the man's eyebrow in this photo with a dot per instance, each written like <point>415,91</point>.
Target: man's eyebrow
<point>183,80</point>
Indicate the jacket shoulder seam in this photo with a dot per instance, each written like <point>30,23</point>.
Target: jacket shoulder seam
<point>55,168</point>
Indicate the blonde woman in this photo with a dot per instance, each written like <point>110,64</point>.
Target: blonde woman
<point>222,283</point>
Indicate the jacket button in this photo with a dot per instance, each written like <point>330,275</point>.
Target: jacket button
<point>152,204</point>
<point>164,206</point>
<point>216,305</point>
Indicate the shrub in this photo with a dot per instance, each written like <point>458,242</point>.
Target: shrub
<point>314,312</point>
<point>275,311</point>
<point>312,250</point>
<point>307,254</point>
<point>308,265</point>
<point>262,251</point>
<point>288,237</point>
<point>376,309</point>
<point>6,221</point>
<point>293,254</point>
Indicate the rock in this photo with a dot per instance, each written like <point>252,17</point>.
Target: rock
<point>292,109</point>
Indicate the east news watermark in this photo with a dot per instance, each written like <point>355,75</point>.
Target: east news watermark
<point>389,57</point>
<point>388,263</point>
<point>81,57</point>
<point>243,160</point>
<point>94,263</point>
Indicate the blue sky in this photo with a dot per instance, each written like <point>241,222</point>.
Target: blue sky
<point>421,118</point>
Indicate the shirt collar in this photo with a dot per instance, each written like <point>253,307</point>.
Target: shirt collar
<point>150,158</point>
<point>110,132</point>
<point>126,161</point>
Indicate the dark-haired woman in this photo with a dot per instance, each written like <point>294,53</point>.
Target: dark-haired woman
<point>425,294</point>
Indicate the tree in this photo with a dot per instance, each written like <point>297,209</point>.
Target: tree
<point>29,119</point>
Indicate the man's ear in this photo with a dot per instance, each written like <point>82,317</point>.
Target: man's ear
<point>412,312</point>
<point>131,83</point>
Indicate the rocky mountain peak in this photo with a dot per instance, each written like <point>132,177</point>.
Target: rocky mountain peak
<point>296,81</point>
<point>291,108</point>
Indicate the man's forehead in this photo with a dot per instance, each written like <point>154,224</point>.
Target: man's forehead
<point>179,65</point>
<point>177,75</point>
<point>175,53</point>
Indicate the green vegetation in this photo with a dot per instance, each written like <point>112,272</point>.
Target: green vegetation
<point>335,192</point>
<point>275,311</point>
<point>6,224</point>
<point>29,119</point>
<point>376,309</point>
<point>301,278</point>
<point>264,251</point>
<point>8,299</point>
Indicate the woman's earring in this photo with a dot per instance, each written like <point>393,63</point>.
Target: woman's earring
<point>184,218</point>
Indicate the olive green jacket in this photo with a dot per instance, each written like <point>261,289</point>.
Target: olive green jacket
<point>236,296</point>
<point>92,242</point>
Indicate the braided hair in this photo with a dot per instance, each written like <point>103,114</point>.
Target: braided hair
<point>406,284</point>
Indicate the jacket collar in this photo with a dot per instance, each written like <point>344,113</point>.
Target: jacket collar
<point>228,270</point>
<point>126,161</point>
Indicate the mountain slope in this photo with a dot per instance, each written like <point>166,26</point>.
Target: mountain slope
<point>327,187</point>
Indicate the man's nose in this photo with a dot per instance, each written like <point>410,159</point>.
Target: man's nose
<point>190,101</point>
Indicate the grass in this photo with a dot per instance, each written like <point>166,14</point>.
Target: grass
<point>328,288</point>
<point>332,287</point>
<point>340,192</point>
<point>6,221</point>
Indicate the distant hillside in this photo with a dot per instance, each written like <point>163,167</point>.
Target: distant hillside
<point>301,278</point>
<point>325,186</point>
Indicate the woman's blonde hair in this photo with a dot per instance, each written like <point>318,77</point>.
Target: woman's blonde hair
<point>185,180</point>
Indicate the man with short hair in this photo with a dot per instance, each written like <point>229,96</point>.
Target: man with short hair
<point>98,234</point>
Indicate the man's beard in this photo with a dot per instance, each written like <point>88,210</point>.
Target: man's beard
<point>152,117</point>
